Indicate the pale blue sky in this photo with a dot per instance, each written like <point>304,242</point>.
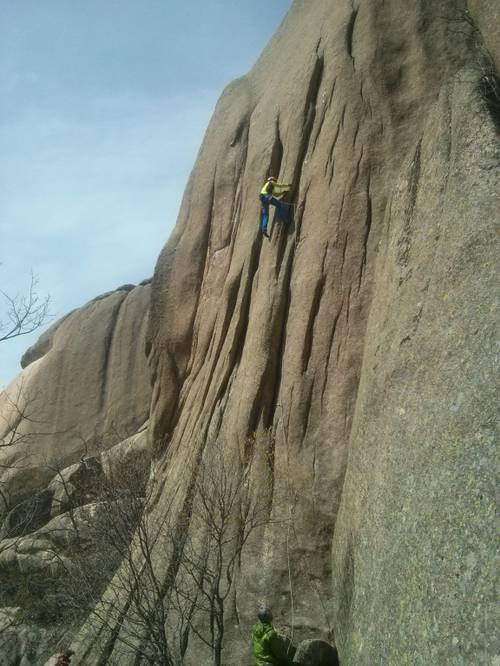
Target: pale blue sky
<point>103,108</point>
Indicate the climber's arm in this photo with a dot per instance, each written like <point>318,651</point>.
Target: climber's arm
<point>281,188</point>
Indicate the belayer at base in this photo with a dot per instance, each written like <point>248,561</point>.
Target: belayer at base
<point>268,195</point>
<point>268,647</point>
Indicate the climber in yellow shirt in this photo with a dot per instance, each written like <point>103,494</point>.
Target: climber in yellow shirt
<point>268,195</point>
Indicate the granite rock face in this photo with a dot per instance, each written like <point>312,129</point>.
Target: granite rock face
<point>348,362</point>
<point>373,112</point>
<point>414,545</point>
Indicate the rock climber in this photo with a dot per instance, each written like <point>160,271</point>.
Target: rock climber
<point>268,648</point>
<point>268,195</point>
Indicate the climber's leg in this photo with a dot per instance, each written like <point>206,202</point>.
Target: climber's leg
<point>264,216</point>
<point>282,208</point>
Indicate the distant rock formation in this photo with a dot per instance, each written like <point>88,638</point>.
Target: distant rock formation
<point>84,387</point>
<point>86,378</point>
<point>353,352</point>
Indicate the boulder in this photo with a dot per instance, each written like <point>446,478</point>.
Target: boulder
<point>315,652</point>
<point>76,485</point>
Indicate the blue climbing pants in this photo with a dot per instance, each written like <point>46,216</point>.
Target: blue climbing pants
<point>265,201</point>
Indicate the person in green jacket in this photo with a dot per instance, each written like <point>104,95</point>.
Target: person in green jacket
<point>267,647</point>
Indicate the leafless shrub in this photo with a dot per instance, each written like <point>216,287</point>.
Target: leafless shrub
<point>24,313</point>
<point>489,89</point>
<point>167,572</point>
<point>224,514</point>
<point>20,427</point>
<point>151,577</point>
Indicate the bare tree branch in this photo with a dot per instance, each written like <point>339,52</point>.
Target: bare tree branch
<point>23,313</point>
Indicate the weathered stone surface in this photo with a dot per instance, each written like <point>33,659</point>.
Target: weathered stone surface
<point>266,340</point>
<point>316,652</point>
<point>414,547</point>
<point>359,338</point>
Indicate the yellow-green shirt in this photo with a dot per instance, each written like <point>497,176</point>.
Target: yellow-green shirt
<point>262,637</point>
<point>273,188</point>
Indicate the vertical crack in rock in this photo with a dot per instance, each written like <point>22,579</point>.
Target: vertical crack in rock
<point>320,129</point>
<point>309,117</point>
<point>344,251</point>
<point>330,348</point>
<point>307,412</point>
<point>326,107</point>
<point>257,398</point>
<point>240,328</point>
<point>210,226</point>
<point>358,164</point>
<point>355,135</point>
<point>404,241</point>
<point>277,150</point>
<point>205,249</point>
<point>235,217</point>
<point>349,35</point>
<point>330,162</point>
<point>368,226</point>
<point>240,130</point>
<point>331,97</point>
<point>108,343</point>
<point>230,308</point>
<point>220,334</point>
<point>342,115</point>
<point>275,360</point>
<point>313,313</point>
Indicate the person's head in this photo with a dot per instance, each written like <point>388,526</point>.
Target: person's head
<point>271,179</point>
<point>265,616</point>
